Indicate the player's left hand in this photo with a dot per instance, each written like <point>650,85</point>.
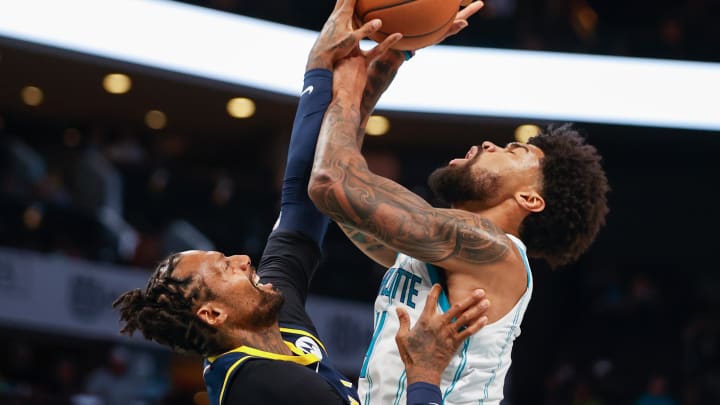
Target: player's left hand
<point>350,74</point>
<point>338,39</point>
<point>428,347</point>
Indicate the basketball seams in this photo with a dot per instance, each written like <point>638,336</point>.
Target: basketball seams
<point>421,22</point>
<point>399,3</point>
<point>444,26</point>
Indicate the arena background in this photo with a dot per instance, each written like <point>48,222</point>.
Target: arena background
<point>92,197</point>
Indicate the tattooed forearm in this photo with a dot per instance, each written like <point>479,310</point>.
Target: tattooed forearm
<point>405,222</point>
<point>380,74</point>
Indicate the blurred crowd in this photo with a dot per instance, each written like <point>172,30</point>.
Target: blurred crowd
<point>85,372</point>
<point>656,29</point>
<point>107,196</point>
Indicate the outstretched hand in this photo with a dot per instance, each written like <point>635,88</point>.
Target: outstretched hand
<point>338,39</point>
<point>462,16</point>
<point>428,347</point>
<point>461,19</point>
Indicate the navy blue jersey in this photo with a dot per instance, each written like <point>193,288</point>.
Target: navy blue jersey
<point>308,350</point>
<point>258,377</point>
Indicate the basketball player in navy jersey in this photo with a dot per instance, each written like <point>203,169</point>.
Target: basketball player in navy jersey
<point>545,198</point>
<point>259,344</point>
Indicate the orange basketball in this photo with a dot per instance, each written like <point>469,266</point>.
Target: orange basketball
<point>422,22</point>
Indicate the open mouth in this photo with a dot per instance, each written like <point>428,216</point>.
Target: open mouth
<point>260,286</point>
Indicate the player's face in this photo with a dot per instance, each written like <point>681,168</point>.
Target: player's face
<point>235,287</point>
<point>489,173</point>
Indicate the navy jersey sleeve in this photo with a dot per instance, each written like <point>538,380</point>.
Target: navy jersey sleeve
<point>422,393</point>
<point>262,382</point>
<point>288,262</point>
<point>293,249</point>
<point>297,212</point>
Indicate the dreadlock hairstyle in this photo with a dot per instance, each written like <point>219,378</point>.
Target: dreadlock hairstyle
<point>163,312</point>
<point>574,188</point>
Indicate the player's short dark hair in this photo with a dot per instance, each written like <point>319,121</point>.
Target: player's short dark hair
<point>574,187</point>
<point>164,311</point>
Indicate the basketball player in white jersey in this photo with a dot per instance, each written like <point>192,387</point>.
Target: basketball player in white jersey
<point>544,199</point>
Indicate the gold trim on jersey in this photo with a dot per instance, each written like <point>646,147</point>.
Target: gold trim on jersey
<point>304,333</point>
<point>227,377</point>
<point>300,358</point>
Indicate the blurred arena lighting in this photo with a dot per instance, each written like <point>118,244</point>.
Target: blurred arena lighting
<point>32,95</point>
<point>524,132</point>
<point>202,42</point>
<point>377,125</point>
<point>155,119</point>
<point>117,83</point>
<point>241,107</point>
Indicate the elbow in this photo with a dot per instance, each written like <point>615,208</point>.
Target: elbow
<point>319,187</point>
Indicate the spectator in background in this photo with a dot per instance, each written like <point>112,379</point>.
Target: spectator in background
<point>656,393</point>
<point>113,383</point>
<point>64,382</point>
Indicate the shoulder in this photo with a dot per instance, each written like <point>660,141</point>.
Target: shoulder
<point>475,240</point>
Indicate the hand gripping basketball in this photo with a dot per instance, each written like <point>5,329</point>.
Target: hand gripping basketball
<point>338,38</point>
<point>421,22</point>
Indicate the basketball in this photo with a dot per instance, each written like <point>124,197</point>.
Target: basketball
<point>422,22</point>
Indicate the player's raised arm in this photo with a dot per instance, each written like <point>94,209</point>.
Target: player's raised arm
<point>342,186</point>
<point>380,74</point>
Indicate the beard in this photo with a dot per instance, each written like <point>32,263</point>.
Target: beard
<point>456,184</point>
<point>268,310</point>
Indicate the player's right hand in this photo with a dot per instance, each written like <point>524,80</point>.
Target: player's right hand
<point>428,347</point>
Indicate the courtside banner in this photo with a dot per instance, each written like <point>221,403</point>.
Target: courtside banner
<point>58,294</point>
<point>53,293</point>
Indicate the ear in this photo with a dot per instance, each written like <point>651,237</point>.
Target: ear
<point>212,314</point>
<point>530,200</point>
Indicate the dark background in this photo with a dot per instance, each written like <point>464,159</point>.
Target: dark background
<point>641,307</point>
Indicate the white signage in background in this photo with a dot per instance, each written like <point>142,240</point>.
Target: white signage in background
<point>59,294</point>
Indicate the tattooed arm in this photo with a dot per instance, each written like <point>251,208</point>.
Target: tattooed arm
<point>344,189</point>
<point>381,73</point>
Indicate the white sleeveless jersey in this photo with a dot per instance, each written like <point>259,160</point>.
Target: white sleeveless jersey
<point>476,374</point>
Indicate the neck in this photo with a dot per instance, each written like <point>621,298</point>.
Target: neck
<point>507,215</point>
<point>266,339</point>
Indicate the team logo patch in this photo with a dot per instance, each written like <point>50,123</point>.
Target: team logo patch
<point>308,345</point>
